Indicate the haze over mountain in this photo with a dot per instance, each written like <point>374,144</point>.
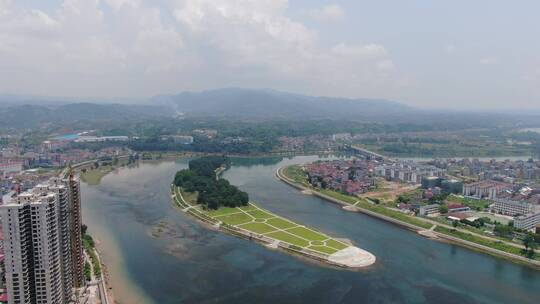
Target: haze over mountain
<point>121,48</point>
<point>236,102</point>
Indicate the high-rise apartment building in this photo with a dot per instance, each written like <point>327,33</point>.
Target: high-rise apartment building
<point>42,243</point>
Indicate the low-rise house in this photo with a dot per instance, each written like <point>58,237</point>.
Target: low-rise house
<point>455,207</point>
<point>429,210</point>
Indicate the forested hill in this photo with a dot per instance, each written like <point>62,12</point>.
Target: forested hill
<point>207,166</point>
<point>213,192</point>
<point>77,115</point>
<point>246,103</point>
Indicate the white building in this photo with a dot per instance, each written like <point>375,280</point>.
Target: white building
<point>408,172</point>
<point>429,210</point>
<point>528,221</point>
<point>10,167</point>
<point>485,189</point>
<point>42,243</point>
<point>512,208</point>
<point>84,139</point>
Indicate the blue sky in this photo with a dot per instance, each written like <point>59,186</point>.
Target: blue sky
<point>445,54</point>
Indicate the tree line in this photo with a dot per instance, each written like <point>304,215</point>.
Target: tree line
<point>212,192</point>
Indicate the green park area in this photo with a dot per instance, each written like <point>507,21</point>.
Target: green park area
<point>296,173</point>
<point>93,176</point>
<point>475,204</point>
<point>260,222</point>
<point>485,242</point>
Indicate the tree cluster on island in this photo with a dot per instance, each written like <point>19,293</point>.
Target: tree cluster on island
<point>212,192</point>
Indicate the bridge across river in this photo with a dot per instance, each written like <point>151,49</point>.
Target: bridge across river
<point>368,154</point>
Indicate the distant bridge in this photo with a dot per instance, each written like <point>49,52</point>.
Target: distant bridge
<point>368,154</point>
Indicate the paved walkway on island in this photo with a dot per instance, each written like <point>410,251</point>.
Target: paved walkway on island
<point>347,256</point>
<point>277,229</point>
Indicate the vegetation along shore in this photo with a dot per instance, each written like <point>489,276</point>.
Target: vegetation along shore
<point>294,176</point>
<point>198,192</point>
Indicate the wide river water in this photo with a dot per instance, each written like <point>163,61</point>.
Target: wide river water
<point>156,254</point>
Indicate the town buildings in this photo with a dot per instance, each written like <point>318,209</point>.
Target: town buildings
<point>527,221</point>
<point>446,185</point>
<point>429,210</point>
<point>83,139</point>
<point>349,176</point>
<point>512,207</point>
<point>408,172</point>
<point>42,243</point>
<point>485,189</point>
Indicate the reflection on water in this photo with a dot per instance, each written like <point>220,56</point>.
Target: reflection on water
<point>159,255</point>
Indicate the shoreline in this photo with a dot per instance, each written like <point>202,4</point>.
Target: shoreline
<point>437,235</point>
<point>106,288</point>
<point>350,258</point>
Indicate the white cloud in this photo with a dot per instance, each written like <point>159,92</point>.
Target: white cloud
<point>330,12</point>
<point>362,51</point>
<point>137,49</point>
<point>4,7</point>
<point>117,4</point>
<point>489,60</point>
<point>450,48</point>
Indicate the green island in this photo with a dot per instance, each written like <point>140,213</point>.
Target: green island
<point>199,192</point>
<point>296,177</point>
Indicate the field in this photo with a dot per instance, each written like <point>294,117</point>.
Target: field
<point>469,202</point>
<point>296,173</point>
<point>93,176</point>
<point>261,222</point>
<point>387,192</point>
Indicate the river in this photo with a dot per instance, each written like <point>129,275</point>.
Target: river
<point>156,254</point>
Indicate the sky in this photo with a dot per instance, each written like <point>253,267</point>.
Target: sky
<point>434,54</point>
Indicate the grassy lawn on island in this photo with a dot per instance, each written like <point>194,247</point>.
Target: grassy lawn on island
<point>222,211</point>
<point>235,219</point>
<point>307,234</point>
<point>258,214</point>
<point>259,228</point>
<point>261,222</point>
<point>280,223</point>
<point>324,249</point>
<point>288,238</point>
<point>248,208</point>
<point>335,244</point>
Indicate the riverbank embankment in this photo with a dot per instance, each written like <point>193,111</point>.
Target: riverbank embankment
<point>433,234</point>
